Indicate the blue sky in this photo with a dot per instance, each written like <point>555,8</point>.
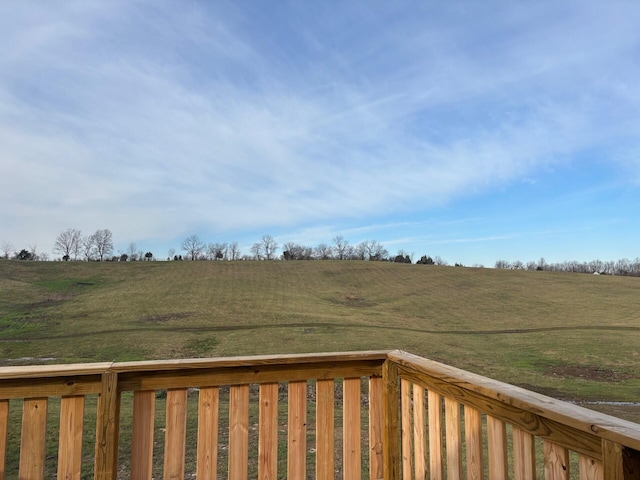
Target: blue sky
<point>474,131</point>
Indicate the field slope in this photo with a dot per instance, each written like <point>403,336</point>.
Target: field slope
<point>569,335</point>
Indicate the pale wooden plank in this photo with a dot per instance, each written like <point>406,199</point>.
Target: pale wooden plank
<point>32,446</point>
<point>300,360</point>
<point>524,455</point>
<point>142,435</point>
<point>70,440</point>
<point>453,439</point>
<point>4,427</point>
<point>245,375</point>
<point>107,428</point>
<point>613,461</point>
<point>297,432</point>
<point>589,468</point>
<point>473,441</point>
<point>556,461</point>
<point>352,435</point>
<point>175,433</point>
<point>419,433</point>
<point>268,432</point>
<point>497,439</point>
<point>436,466</point>
<point>376,439</point>
<point>406,432</point>
<point>238,431</point>
<point>391,446</point>
<point>325,427</point>
<point>208,421</point>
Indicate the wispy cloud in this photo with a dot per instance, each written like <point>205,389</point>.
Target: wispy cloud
<point>168,118</point>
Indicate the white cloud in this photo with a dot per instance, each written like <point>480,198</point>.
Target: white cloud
<point>163,119</point>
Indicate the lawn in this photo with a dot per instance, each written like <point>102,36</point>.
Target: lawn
<point>572,336</point>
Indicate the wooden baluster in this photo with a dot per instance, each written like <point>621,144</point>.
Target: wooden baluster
<point>175,433</point>
<point>497,439</point>
<point>436,466</point>
<point>352,448</point>
<point>325,425</point>
<point>142,435</point>
<point>376,438</point>
<point>297,434</point>
<point>556,461</point>
<point>34,431</point>
<point>207,458</point>
<point>70,444</point>
<point>524,455</point>
<point>4,424</point>
<point>473,440</point>
<point>589,468</point>
<point>453,439</point>
<point>406,432</point>
<point>268,432</point>
<point>238,431</point>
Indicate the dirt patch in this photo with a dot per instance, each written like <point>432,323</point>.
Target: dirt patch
<point>587,372</point>
<point>165,317</point>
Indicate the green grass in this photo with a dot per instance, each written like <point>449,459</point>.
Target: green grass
<point>520,327</point>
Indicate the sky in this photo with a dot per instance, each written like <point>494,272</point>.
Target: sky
<point>473,131</point>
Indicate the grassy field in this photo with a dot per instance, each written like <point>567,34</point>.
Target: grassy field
<point>571,336</point>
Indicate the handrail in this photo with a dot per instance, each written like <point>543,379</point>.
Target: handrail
<point>608,447</point>
<point>419,416</point>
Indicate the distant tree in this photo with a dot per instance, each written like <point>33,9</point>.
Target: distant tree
<point>6,249</point>
<point>425,260</point>
<point>193,246</point>
<point>340,247</point>
<point>123,257</point>
<point>323,252</point>
<point>68,243</point>
<point>234,251</point>
<point>172,252</point>
<point>502,264</point>
<point>517,265</point>
<point>132,252</point>
<point>24,254</point>
<point>257,251</point>
<point>399,258</point>
<point>439,261</point>
<point>87,247</point>
<point>148,256</point>
<point>103,243</point>
<point>269,247</point>
<point>217,251</point>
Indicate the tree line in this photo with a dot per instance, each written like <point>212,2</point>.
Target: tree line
<point>72,245</point>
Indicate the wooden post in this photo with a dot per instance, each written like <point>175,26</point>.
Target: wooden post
<point>325,424</point>
<point>142,437</point>
<point>268,433</point>
<point>391,427</point>
<point>32,446</point>
<point>70,445</point>
<point>107,429</point>
<point>4,424</point>
<point>207,458</point>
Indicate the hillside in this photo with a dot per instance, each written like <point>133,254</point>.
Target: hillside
<point>569,335</point>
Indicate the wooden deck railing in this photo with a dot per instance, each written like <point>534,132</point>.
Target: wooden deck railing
<point>378,415</point>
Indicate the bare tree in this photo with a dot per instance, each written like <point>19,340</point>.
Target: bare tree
<point>193,246</point>
<point>323,251</point>
<point>68,243</point>
<point>257,251</point>
<point>234,251</point>
<point>132,252</point>
<point>171,253</point>
<point>7,249</point>
<point>87,247</point>
<point>103,243</point>
<point>269,247</point>
<point>341,246</point>
<point>217,251</point>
